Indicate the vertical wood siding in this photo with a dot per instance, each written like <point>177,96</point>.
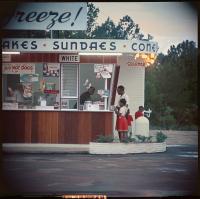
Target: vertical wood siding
<point>55,127</point>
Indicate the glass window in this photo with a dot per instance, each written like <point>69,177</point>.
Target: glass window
<point>99,77</point>
<point>69,86</point>
<point>49,86</point>
<point>31,85</point>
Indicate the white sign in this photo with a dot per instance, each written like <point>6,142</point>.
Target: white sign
<point>103,70</point>
<point>49,16</point>
<point>51,70</point>
<point>98,68</point>
<point>79,45</point>
<point>69,58</point>
<point>18,68</point>
<point>103,67</point>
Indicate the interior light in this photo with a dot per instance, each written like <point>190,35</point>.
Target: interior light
<point>10,53</point>
<point>103,54</point>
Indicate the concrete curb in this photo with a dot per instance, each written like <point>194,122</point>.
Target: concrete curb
<point>54,148</point>
<point>45,148</point>
<point>126,148</point>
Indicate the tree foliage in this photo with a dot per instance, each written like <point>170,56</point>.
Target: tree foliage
<point>171,87</point>
<point>106,30</point>
<point>125,29</point>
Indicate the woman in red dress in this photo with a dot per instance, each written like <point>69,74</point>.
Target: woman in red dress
<point>122,123</point>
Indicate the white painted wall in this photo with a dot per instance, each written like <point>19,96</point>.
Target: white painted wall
<point>133,79</point>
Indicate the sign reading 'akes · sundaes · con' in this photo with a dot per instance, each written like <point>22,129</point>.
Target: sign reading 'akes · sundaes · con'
<point>49,16</point>
<point>79,45</point>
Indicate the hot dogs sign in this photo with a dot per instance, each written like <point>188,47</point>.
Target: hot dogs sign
<point>18,68</point>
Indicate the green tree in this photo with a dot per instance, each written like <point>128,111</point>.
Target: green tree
<point>106,30</point>
<point>128,29</point>
<point>173,83</point>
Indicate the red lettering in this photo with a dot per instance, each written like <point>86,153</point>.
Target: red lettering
<point>26,67</point>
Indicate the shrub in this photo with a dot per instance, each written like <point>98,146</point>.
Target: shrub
<point>160,137</point>
<point>128,140</point>
<point>142,138</point>
<point>104,138</point>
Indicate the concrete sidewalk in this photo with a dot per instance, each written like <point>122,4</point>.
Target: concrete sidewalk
<point>173,138</point>
<point>45,148</point>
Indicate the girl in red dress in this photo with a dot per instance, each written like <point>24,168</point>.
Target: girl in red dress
<point>122,123</point>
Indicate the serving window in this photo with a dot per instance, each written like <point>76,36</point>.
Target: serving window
<point>56,86</point>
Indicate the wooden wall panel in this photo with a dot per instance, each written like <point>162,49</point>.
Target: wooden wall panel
<point>98,127</point>
<point>64,127</point>
<point>18,126</point>
<point>84,127</point>
<point>34,127</point>
<point>13,127</point>
<point>108,123</point>
<point>28,124</point>
<point>55,127</point>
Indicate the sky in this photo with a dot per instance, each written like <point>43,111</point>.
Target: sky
<point>170,23</point>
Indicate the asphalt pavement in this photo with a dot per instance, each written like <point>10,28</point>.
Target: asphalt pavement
<point>171,173</point>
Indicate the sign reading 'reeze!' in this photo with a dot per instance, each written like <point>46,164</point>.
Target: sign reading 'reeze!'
<point>49,16</point>
<point>79,45</point>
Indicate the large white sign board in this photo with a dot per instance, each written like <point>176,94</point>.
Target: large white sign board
<point>79,45</point>
<point>49,16</point>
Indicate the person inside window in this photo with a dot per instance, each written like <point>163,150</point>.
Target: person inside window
<point>86,96</point>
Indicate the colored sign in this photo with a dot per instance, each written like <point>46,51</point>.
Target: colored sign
<point>51,91</point>
<point>29,77</point>
<point>27,90</point>
<point>79,45</point>
<point>136,62</point>
<point>49,16</point>
<point>18,68</point>
<point>51,70</point>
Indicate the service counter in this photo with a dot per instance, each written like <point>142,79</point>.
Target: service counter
<point>58,127</point>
